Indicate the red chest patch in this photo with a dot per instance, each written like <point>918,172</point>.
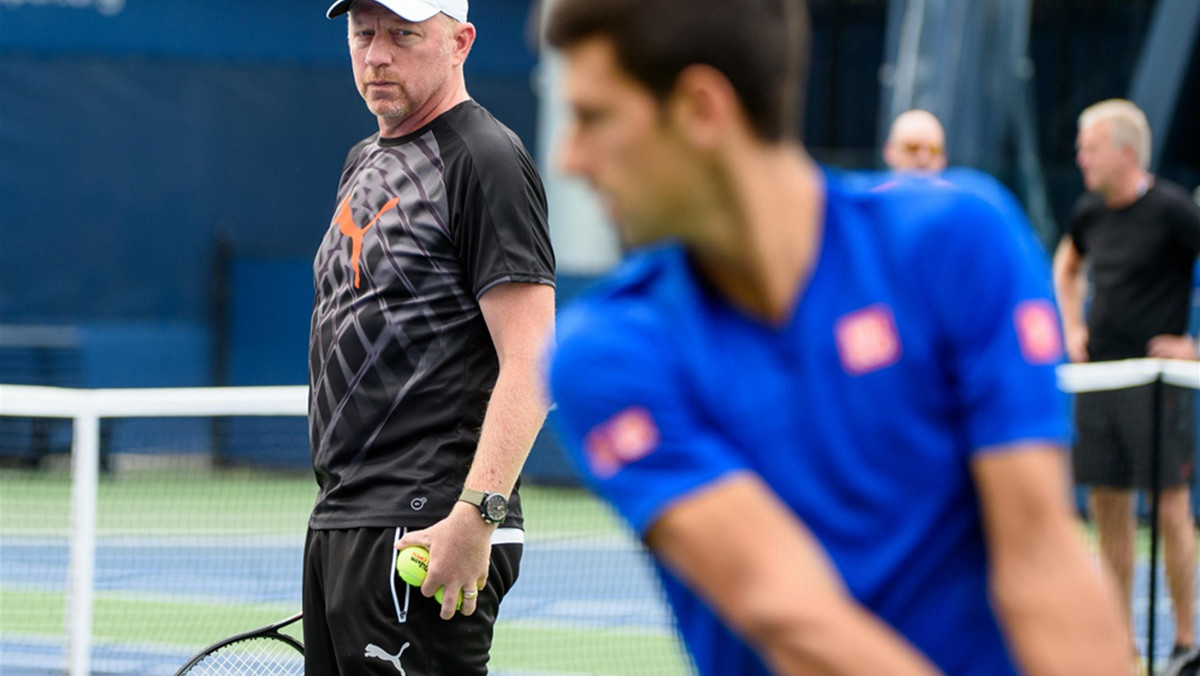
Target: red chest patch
<point>618,441</point>
<point>867,339</point>
<point>1037,332</point>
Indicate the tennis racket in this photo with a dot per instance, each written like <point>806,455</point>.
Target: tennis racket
<point>262,651</point>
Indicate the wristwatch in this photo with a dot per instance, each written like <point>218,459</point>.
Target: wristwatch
<point>493,507</point>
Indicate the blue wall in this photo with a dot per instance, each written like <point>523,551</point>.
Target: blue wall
<point>135,133</point>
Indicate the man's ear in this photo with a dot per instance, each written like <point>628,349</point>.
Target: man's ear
<point>704,106</point>
<point>1131,154</point>
<point>462,37</point>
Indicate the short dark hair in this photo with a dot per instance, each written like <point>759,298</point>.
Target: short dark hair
<point>761,46</point>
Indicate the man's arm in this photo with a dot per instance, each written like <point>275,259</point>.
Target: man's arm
<point>1070,287</point>
<point>1059,615</point>
<point>768,578</point>
<point>520,318</point>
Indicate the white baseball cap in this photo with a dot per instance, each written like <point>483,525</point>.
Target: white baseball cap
<point>415,11</point>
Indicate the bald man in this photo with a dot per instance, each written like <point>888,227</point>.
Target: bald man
<point>916,142</point>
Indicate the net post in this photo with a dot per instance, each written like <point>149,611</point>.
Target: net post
<point>85,476</point>
<point>1155,490</point>
<point>222,271</point>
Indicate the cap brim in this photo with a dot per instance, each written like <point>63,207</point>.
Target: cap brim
<point>409,10</point>
<point>338,8</point>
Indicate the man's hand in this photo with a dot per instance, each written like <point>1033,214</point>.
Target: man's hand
<point>460,550</point>
<point>1076,336</point>
<point>1167,346</point>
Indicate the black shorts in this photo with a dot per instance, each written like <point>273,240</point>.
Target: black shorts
<point>361,619</point>
<point>1115,437</point>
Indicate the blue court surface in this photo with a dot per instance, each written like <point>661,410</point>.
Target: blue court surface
<point>584,584</point>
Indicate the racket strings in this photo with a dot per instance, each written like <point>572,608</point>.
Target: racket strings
<point>251,657</point>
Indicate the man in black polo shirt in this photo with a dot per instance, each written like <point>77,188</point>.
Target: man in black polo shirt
<point>434,295</point>
<point>1140,235</point>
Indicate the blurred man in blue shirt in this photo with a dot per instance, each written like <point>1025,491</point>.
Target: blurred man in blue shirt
<point>828,408</point>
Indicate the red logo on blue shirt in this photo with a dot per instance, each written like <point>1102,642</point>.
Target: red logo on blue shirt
<point>620,440</point>
<point>1037,331</point>
<point>867,339</point>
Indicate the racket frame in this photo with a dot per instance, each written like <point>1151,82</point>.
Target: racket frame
<point>269,631</point>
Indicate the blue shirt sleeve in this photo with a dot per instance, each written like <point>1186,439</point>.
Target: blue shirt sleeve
<point>992,301</point>
<point>623,414</point>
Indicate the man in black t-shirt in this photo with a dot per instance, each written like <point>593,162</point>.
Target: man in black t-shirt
<point>1140,236</point>
<point>434,296</point>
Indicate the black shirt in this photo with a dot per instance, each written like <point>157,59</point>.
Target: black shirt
<point>1141,259</point>
<point>401,364</point>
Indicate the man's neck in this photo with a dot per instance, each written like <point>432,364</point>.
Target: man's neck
<point>768,239</point>
<point>393,127</point>
<point>1129,190</point>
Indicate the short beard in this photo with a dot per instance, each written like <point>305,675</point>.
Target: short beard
<point>392,109</point>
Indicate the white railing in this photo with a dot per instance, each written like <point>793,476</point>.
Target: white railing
<point>85,408</point>
<point>1115,375</point>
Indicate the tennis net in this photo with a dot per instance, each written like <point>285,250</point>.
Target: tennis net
<point>147,524</point>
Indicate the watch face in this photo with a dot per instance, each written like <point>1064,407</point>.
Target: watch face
<point>495,507</point>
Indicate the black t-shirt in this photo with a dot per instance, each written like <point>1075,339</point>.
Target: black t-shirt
<point>401,363</point>
<point>1141,260</point>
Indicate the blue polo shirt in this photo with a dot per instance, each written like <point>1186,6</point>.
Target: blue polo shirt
<point>925,337</point>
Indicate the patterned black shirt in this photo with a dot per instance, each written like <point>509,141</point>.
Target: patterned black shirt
<point>401,363</point>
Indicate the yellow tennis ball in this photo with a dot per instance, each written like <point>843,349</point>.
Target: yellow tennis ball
<point>413,565</point>
<point>439,595</point>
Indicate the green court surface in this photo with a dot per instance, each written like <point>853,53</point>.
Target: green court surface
<point>185,558</point>
<point>35,502</point>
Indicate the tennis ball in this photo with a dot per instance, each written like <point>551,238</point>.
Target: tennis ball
<point>439,594</point>
<point>413,565</point>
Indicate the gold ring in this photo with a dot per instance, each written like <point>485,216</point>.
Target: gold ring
<point>470,594</point>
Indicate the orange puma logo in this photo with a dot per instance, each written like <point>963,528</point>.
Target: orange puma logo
<point>346,225</point>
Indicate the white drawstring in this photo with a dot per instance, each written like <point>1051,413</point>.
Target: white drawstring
<point>401,615</point>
